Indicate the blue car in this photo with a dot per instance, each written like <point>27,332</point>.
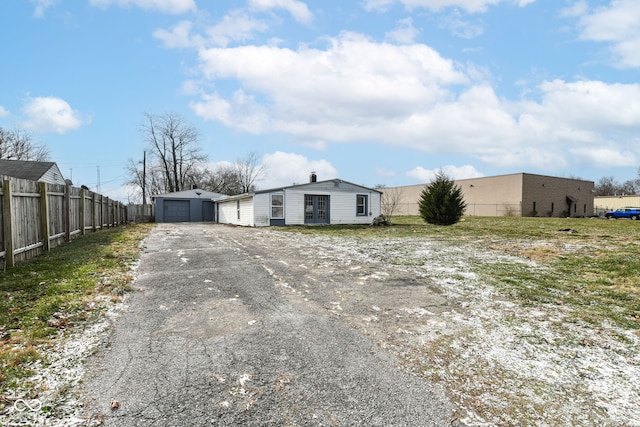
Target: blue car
<point>628,212</point>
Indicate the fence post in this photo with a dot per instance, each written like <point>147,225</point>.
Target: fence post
<point>67,213</point>
<point>7,227</point>
<point>101,215</point>
<point>44,216</point>
<point>93,212</point>
<point>82,212</point>
<point>108,212</point>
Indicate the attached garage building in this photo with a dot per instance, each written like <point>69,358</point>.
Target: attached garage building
<point>186,206</point>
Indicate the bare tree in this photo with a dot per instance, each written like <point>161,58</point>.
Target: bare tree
<point>390,200</point>
<point>174,155</point>
<point>138,179</point>
<point>607,186</point>
<point>630,186</point>
<point>249,171</point>
<point>222,179</point>
<point>234,178</point>
<point>17,144</point>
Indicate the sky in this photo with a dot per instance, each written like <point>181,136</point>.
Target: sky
<point>374,92</point>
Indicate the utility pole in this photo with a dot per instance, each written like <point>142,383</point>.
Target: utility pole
<point>144,178</point>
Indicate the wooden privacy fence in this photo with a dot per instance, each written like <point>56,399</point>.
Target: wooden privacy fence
<point>37,216</point>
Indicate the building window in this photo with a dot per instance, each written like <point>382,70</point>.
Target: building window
<point>361,204</point>
<point>552,207</point>
<point>277,206</point>
<point>238,208</point>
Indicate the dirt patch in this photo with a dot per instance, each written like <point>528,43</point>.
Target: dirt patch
<point>211,319</point>
<point>433,305</point>
<point>435,308</point>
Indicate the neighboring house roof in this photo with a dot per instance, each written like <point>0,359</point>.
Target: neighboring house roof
<point>31,170</point>
<point>196,193</point>
<point>308,184</point>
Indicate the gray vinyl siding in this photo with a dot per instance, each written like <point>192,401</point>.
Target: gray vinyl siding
<point>294,208</point>
<point>342,204</point>
<point>228,212</point>
<point>262,209</point>
<point>343,208</point>
<point>246,213</point>
<point>53,176</point>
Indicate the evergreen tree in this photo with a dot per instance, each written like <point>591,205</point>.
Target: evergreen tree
<point>441,202</point>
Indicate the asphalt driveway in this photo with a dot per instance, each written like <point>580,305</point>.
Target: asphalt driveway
<point>216,335</point>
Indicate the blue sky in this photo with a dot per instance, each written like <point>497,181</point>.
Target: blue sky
<point>369,91</point>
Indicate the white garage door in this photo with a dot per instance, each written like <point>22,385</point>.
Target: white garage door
<point>176,211</point>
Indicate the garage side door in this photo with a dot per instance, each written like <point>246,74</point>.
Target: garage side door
<point>176,211</point>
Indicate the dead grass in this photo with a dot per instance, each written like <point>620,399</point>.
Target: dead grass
<point>544,328</point>
<point>43,299</point>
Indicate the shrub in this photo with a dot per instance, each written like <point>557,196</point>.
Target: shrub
<point>441,202</point>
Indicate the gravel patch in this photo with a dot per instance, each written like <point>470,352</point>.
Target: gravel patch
<point>431,305</point>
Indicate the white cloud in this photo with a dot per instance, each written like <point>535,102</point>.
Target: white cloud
<point>297,9</point>
<point>3,112</point>
<point>385,172</point>
<point>606,157</point>
<point>405,33</point>
<point>41,6</point>
<point>50,114</point>
<point>234,27</point>
<point>617,24</point>
<point>291,168</point>
<point>178,37</point>
<point>357,90</point>
<point>461,27</point>
<point>577,9</point>
<point>165,6</point>
<point>590,106</point>
<point>342,90</point>
<point>421,174</point>
<point>470,6</point>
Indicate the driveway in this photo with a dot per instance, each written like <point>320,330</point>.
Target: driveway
<point>233,326</point>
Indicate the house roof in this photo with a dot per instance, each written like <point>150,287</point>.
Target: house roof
<point>196,193</point>
<point>317,183</point>
<point>307,184</point>
<point>25,169</point>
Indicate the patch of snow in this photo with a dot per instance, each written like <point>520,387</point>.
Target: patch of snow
<point>65,368</point>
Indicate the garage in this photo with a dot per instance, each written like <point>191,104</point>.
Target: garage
<point>194,205</point>
<point>176,211</point>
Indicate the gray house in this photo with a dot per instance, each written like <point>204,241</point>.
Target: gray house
<point>186,206</point>
<point>34,171</point>
<point>318,202</point>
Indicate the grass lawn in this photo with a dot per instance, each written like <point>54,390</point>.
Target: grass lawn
<point>592,265</point>
<point>48,295</point>
<point>544,324</point>
<point>564,298</point>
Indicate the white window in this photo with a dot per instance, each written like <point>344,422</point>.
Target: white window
<point>277,206</point>
<point>361,204</point>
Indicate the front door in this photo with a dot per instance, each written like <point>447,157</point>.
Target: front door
<point>316,209</point>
